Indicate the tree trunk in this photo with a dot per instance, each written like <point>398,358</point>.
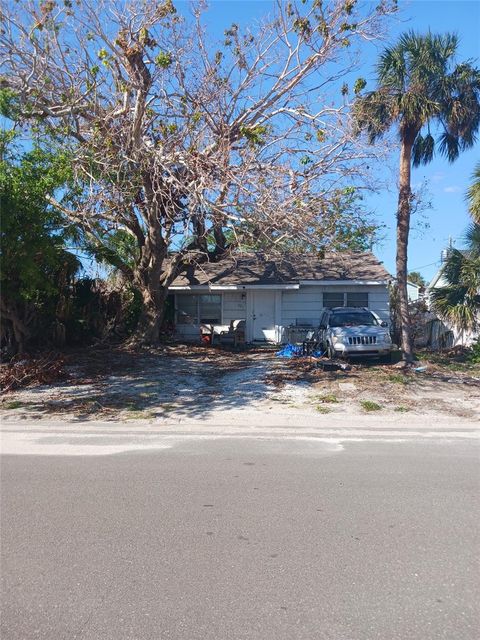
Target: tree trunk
<point>403,229</point>
<point>151,317</point>
<point>20,332</point>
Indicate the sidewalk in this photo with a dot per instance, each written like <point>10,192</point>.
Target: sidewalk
<point>77,437</point>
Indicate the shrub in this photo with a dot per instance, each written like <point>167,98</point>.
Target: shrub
<point>328,398</point>
<point>368,405</point>
<point>474,355</point>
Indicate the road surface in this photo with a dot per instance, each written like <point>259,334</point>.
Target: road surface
<point>239,538</point>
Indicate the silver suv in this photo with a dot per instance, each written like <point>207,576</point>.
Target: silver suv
<point>353,331</point>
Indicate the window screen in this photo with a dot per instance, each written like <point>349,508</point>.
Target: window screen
<point>333,299</point>
<point>211,309</point>
<point>187,309</point>
<point>358,299</point>
<point>199,309</point>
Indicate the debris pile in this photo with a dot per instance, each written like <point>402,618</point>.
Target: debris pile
<point>25,371</point>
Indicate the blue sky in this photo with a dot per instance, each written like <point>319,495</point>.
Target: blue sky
<point>445,183</point>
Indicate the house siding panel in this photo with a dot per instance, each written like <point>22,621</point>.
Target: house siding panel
<point>234,306</point>
<point>303,304</point>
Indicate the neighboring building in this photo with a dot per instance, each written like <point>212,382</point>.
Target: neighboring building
<point>439,333</point>
<point>274,296</point>
<point>414,291</point>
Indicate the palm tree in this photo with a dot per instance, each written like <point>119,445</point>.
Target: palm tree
<point>473,195</point>
<point>434,103</point>
<point>415,277</point>
<point>458,301</point>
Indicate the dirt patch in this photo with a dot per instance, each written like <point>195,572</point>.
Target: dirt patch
<point>148,384</point>
<point>178,383</point>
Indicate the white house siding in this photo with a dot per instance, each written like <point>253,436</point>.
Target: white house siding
<point>379,301</point>
<point>306,303</point>
<point>234,306</point>
<point>413,291</point>
<point>300,305</point>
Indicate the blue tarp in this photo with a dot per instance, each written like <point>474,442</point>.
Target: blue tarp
<point>289,351</point>
<point>295,351</point>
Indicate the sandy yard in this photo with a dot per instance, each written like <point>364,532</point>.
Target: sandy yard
<point>179,384</point>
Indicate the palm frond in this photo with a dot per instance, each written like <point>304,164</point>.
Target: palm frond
<point>392,69</point>
<point>473,195</point>
<point>472,239</point>
<point>374,113</point>
<point>455,308</point>
<point>423,84</point>
<point>423,149</point>
<point>449,146</point>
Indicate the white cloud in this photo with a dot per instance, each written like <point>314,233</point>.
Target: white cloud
<point>452,189</point>
<point>437,177</point>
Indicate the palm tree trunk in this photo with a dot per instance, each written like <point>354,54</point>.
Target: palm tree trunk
<point>403,229</point>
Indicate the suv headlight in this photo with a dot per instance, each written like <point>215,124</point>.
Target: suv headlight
<point>336,339</point>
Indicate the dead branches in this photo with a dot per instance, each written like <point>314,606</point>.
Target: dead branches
<point>25,371</point>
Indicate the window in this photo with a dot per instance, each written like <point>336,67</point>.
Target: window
<point>340,299</point>
<point>199,309</point>
<point>187,309</point>
<point>210,309</point>
<point>334,299</point>
<point>359,299</point>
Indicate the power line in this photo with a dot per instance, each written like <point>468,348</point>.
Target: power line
<point>437,262</point>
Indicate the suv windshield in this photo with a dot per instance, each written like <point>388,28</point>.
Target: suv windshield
<point>352,319</point>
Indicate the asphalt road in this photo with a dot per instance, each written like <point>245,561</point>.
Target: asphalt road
<point>244,539</point>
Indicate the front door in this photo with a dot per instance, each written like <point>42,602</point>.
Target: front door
<point>264,315</point>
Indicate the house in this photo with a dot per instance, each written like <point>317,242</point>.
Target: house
<point>275,295</point>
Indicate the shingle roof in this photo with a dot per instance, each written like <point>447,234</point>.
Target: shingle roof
<point>250,269</point>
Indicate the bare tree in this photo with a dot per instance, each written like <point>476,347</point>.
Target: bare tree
<point>182,149</point>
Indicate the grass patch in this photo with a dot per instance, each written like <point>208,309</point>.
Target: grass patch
<point>14,404</point>
<point>369,405</point>
<point>401,409</point>
<point>323,409</point>
<point>462,361</point>
<point>141,415</point>
<point>132,406</point>
<point>328,398</point>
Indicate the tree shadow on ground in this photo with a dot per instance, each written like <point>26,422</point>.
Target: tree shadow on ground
<point>185,382</point>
